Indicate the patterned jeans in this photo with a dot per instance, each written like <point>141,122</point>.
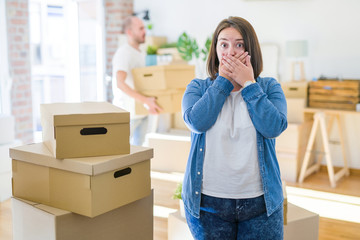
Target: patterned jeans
<point>235,219</point>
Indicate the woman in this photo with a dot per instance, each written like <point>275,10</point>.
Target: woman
<point>232,187</point>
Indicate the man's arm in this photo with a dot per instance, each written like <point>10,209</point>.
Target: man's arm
<point>150,102</point>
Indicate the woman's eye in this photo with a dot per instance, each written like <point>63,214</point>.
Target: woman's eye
<point>239,45</point>
<point>223,45</point>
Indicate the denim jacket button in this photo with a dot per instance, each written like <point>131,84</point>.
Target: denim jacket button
<point>200,149</point>
<point>196,192</point>
<point>198,173</point>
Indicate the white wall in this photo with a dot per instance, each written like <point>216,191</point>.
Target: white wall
<point>331,27</point>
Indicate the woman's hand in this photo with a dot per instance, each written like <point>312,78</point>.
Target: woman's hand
<point>236,69</point>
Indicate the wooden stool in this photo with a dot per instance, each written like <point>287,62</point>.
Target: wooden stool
<point>319,122</point>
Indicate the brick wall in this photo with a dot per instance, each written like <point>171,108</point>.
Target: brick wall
<point>115,13</point>
<point>19,64</point>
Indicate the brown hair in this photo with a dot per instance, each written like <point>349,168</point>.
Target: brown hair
<point>251,43</point>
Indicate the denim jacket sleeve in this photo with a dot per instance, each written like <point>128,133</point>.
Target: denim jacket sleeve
<point>203,101</point>
<point>267,106</point>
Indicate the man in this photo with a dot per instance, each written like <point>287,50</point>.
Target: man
<point>125,59</point>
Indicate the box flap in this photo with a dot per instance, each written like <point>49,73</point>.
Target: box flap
<point>96,113</point>
<point>38,153</point>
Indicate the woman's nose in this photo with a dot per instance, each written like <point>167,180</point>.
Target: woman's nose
<point>232,51</point>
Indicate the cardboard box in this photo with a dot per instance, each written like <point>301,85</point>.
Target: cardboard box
<point>171,151</point>
<point>85,129</point>
<point>301,224</point>
<point>295,109</point>
<point>7,129</point>
<point>87,186</point>
<point>178,228</point>
<point>177,121</point>
<point>295,89</point>
<point>168,100</point>
<point>34,221</point>
<point>290,149</point>
<point>163,77</point>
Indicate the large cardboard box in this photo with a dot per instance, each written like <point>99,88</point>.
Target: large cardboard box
<point>301,224</point>
<point>7,129</point>
<point>34,221</point>
<point>168,100</point>
<point>87,186</point>
<point>85,129</point>
<point>163,77</point>
<point>171,151</point>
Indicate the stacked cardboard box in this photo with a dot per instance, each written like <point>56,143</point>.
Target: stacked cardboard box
<point>104,180</point>
<point>166,83</point>
<point>291,144</point>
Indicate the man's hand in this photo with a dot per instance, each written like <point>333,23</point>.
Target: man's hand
<point>152,106</point>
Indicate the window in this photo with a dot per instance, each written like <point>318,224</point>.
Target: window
<point>5,80</point>
<point>65,41</point>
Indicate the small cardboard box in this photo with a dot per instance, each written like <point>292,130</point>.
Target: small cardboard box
<point>133,221</point>
<point>163,77</point>
<point>87,186</point>
<point>85,129</point>
<point>171,151</point>
<point>295,109</point>
<point>301,224</point>
<point>168,100</point>
<point>295,89</point>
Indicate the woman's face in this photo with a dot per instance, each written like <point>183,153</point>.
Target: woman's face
<point>229,42</point>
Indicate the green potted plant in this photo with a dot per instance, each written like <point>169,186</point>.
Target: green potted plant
<point>151,56</point>
<point>189,50</point>
<point>177,195</point>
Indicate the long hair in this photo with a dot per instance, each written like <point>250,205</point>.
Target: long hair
<point>251,45</point>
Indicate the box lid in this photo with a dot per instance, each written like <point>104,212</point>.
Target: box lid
<point>39,154</point>
<point>66,114</point>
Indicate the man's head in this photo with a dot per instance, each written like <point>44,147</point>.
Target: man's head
<point>135,30</point>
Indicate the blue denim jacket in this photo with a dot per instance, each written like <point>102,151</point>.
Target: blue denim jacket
<point>201,104</point>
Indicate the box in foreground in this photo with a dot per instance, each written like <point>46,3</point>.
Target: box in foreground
<point>34,221</point>
<point>87,186</point>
